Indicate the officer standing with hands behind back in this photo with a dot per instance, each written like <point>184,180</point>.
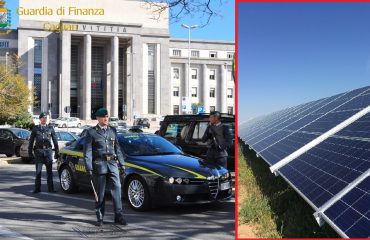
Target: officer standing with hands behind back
<point>103,159</point>
<point>41,136</point>
<point>219,139</point>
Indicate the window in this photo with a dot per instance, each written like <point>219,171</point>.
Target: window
<point>212,74</point>
<point>199,130</point>
<point>175,91</point>
<point>66,137</point>
<point>230,55</point>
<point>151,78</point>
<point>230,110</point>
<point>5,134</point>
<point>212,108</point>
<point>229,75</point>
<point>176,73</point>
<point>176,110</point>
<point>176,52</point>
<point>194,73</point>
<point>177,130</point>
<point>37,70</point>
<point>194,92</point>
<point>213,54</point>
<point>195,54</point>
<point>212,92</point>
<point>229,93</point>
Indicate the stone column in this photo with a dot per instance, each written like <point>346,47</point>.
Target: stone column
<point>221,93</point>
<point>114,78</point>
<point>136,77</point>
<point>205,88</point>
<point>86,101</point>
<point>65,85</point>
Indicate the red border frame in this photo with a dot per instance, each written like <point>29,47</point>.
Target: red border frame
<point>236,120</point>
<point>236,102</point>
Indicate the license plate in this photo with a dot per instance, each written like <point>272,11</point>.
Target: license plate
<point>225,186</point>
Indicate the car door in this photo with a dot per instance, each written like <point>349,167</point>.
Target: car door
<point>81,172</point>
<point>6,142</point>
<point>195,145</point>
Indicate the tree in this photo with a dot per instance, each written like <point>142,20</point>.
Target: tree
<point>206,9</point>
<point>14,93</point>
<point>194,107</point>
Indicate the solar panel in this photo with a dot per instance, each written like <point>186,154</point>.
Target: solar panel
<point>351,214</point>
<point>322,149</point>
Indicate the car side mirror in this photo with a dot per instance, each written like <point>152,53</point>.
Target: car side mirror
<point>68,144</point>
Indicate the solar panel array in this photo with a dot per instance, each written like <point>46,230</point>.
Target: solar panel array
<point>323,154</point>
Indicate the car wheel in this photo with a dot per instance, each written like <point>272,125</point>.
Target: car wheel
<point>67,182</point>
<point>9,155</point>
<point>64,125</point>
<point>79,125</point>
<point>138,194</point>
<point>17,153</point>
<point>26,160</point>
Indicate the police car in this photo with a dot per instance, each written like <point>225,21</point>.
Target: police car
<point>157,173</point>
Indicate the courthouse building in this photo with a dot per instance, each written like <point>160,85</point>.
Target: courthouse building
<point>124,60</point>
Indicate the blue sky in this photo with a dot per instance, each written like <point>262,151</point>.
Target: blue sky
<point>220,28</point>
<point>291,53</point>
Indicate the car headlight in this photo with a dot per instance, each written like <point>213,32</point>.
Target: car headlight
<point>178,180</point>
<point>171,180</point>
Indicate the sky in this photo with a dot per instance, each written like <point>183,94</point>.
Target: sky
<point>292,53</point>
<point>220,28</point>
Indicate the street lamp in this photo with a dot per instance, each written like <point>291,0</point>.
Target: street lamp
<point>187,93</point>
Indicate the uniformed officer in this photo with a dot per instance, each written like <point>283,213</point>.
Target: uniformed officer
<point>41,136</point>
<point>219,139</point>
<point>103,159</point>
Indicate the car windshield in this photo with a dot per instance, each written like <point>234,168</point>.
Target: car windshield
<point>113,119</point>
<point>21,133</point>
<point>146,145</point>
<point>61,118</point>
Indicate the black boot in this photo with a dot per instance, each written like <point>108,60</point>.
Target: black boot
<point>99,217</point>
<point>37,190</point>
<point>120,220</point>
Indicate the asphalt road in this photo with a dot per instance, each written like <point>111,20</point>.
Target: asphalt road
<point>24,215</point>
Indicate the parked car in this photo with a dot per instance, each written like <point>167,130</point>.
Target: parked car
<point>62,136</point>
<point>11,140</point>
<point>113,121</point>
<point>144,122</point>
<point>187,131</point>
<point>157,173</point>
<point>66,122</point>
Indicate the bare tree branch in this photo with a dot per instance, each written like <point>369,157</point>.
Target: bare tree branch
<point>178,9</point>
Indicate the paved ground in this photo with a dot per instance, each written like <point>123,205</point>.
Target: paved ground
<point>24,215</point>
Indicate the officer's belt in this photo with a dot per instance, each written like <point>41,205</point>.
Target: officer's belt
<point>106,158</point>
<point>42,147</point>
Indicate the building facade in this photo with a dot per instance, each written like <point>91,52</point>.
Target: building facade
<point>125,62</point>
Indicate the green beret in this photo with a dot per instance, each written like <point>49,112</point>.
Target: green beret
<point>42,115</point>
<point>102,112</point>
<point>215,113</point>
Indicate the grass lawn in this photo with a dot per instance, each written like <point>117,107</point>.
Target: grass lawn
<point>268,207</point>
